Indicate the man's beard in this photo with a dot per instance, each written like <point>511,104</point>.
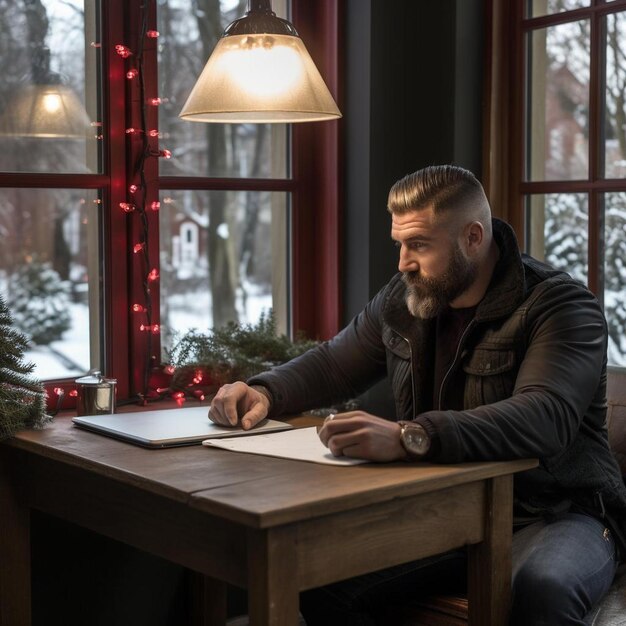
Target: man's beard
<point>427,297</point>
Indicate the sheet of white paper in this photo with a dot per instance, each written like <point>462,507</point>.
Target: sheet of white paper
<point>301,444</point>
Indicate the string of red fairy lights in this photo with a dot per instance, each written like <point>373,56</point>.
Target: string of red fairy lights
<point>136,205</point>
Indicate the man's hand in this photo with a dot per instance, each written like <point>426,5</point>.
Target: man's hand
<point>238,403</point>
<point>361,435</point>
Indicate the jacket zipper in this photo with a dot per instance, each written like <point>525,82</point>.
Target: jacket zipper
<point>408,343</point>
<point>456,356</point>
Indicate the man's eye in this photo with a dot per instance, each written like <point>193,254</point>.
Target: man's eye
<point>411,245</point>
<point>416,245</point>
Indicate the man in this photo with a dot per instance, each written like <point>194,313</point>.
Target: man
<point>491,355</point>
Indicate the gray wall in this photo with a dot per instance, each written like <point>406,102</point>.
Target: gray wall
<point>413,98</point>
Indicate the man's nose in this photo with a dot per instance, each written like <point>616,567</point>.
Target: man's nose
<point>406,263</point>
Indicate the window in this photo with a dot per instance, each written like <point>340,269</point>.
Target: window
<point>564,178</point>
<point>50,181</point>
<point>231,224</point>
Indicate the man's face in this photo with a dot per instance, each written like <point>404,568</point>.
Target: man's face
<point>435,269</point>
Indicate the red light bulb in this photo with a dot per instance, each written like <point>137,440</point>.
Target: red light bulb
<point>166,154</point>
<point>154,101</point>
<point>154,274</point>
<point>137,308</point>
<point>153,34</point>
<point>138,247</point>
<point>127,207</point>
<point>156,205</point>
<point>132,74</point>
<point>123,51</point>
<point>133,188</point>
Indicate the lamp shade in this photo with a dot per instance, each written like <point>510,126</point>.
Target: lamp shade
<point>260,72</point>
<point>44,111</point>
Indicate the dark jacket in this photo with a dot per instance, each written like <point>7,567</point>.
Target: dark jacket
<point>534,359</point>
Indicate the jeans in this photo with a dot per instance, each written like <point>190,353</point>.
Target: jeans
<point>562,568</point>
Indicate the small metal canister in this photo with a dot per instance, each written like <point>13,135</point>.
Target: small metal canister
<point>96,394</point>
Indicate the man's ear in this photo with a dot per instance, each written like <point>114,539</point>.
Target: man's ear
<point>473,237</point>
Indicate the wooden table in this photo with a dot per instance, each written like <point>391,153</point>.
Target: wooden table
<point>272,525</point>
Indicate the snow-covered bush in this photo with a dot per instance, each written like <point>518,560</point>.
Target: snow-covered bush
<point>39,301</point>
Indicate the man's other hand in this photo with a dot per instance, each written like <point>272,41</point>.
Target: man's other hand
<point>360,435</point>
<point>238,404</point>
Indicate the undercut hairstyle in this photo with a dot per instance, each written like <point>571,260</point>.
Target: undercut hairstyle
<point>442,187</point>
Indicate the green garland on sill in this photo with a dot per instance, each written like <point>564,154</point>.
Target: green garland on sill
<point>234,352</point>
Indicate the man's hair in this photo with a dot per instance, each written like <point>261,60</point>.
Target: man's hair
<point>440,186</point>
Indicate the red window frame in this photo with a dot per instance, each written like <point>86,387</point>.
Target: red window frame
<point>505,127</point>
<point>315,186</point>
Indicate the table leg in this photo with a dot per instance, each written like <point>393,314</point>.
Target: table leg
<point>489,565</point>
<point>208,600</point>
<point>273,577</point>
<point>15,575</point>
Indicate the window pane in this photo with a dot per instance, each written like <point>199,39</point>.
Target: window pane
<point>558,102</point>
<point>615,275</point>
<point>49,273</point>
<point>187,38</point>
<point>535,8</point>
<point>558,231</point>
<point>224,257</point>
<point>49,86</point>
<point>615,104</point>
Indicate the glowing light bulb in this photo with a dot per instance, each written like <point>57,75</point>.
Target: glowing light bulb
<point>123,51</point>
<point>51,102</point>
<point>153,34</point>
<point>156,205</point>
<point>154,101</point>
<point>59,391</point>
<point>166,154</point>
<point>153,133</point>
<point>138,247</point>
<point>127,207</point>
<point>137,308</point>
<point>133,188</point>
<point>154,274</point>
<point>169,369</point>
<point>133,73</point>
<point>73,393</point>
<point>263,66</point>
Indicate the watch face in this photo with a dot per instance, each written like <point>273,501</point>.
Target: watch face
<point>415,440</point>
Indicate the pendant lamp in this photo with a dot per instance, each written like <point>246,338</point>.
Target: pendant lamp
<point>48,110</point>
<point>260,72</point>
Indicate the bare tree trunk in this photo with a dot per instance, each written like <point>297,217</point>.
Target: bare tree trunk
<point>619,61</point>
<point>222,274</point>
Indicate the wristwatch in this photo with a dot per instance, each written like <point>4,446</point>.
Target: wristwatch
<point>414,439</point>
